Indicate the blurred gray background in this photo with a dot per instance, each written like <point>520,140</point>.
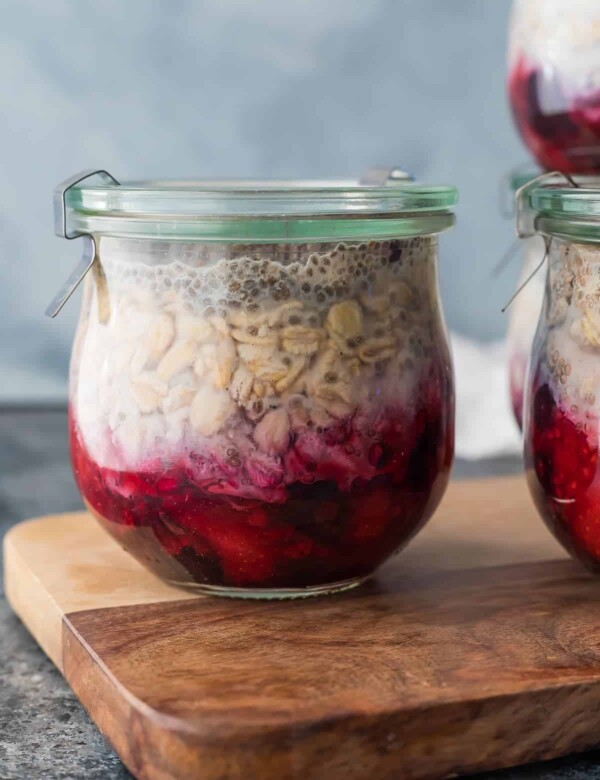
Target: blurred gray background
<point>192,88</point>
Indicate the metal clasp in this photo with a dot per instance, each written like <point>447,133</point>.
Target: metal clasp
<point>526,219</point>
<point>525,214</point>
<point>60,228</point>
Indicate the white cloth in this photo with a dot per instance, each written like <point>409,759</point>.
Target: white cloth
<point>485,425</point>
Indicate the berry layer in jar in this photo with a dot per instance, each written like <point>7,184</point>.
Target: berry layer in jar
<point>263,423</point>
<point>563,456</point>
<point>348,500</point>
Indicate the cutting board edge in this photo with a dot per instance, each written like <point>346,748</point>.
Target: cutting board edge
<point>493,745</point>
<point>468,724</point>
<point>29,599</point>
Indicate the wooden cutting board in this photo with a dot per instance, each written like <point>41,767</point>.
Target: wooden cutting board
<point>476,648</point>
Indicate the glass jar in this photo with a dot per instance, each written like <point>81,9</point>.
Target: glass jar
<point>563,395</point>
<point>524,312</point>
<point>261,395</point>
<point>554,81</point>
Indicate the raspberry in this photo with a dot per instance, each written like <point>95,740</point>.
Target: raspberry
<point>167,484</point>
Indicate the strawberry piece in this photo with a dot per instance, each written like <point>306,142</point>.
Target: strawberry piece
<point>372,513</point>
<point>239,517</point>
<point>249,555</point>
<point>130,486</point>
<point>174,539</point>
<point>565,455</point>
<point>245,490</point>
<point>264,472</point>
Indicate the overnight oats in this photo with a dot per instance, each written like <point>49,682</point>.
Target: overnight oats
<point>554,81</point>
<point>265,417</point>
<point>563,400</point>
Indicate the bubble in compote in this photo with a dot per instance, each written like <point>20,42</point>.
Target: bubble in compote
<point>262,417</point>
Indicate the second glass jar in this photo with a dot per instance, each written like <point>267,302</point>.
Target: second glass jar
<point>264,418</point>
<point>563,398</point>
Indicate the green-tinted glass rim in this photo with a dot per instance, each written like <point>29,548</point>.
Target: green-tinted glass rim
<point>570,212</point>
<point>570,230</point>
<point>260,211</point>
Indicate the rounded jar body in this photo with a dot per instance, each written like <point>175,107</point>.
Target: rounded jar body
<point>262,419</point>
<point>554,81</point>
<point>563,404</point>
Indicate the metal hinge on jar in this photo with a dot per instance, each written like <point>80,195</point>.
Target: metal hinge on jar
<point>526,227</point>
<point>525,214</point>
<point>383,176</point>
<point>89,258</point>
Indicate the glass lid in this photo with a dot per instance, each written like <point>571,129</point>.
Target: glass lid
<point>581,199</point>
<point>223,210</point>
<point>566,207</point>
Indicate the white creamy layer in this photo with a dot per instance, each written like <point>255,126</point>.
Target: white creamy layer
<point>183,350</point>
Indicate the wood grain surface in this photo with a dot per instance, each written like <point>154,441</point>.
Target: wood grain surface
<point>65,563</point>
<point>476,648</point>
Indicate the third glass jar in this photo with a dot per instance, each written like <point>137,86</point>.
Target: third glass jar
<point>554,81</point>
<point>563,397</point>
<point>261,390</point>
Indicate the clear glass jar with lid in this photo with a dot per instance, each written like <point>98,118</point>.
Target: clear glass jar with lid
<point>261,395</point>
<point>554,81</point>
<point>562,407</point>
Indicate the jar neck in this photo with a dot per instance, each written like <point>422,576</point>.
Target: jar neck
<point>585,231</point>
